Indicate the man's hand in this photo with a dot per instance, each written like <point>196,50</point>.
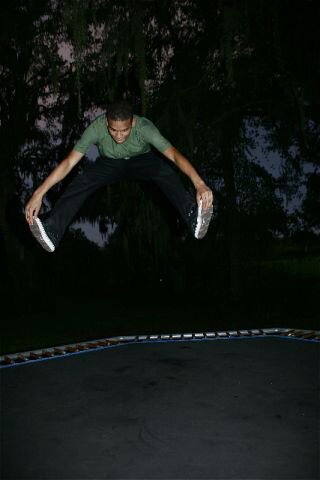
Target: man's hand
<point>204,193</point>
<point>58,174</point>
<point>33,207</point>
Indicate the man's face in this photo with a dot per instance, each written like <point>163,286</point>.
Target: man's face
<point>119,129</point>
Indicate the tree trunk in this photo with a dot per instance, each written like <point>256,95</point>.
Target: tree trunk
<point>13,250</point>
<point>232,217</point>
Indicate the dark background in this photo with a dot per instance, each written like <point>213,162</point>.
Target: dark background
<point>235,86</point>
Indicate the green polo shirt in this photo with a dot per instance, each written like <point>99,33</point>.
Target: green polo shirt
<point>142,136</point>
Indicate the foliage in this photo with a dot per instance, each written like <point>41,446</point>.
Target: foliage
<point>202,71</point>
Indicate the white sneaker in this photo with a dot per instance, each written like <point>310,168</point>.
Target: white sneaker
<point>203,221</point>
<point>40,234</point>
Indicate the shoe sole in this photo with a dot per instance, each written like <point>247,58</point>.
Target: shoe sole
<point>40,235</point>
<point>203,221</point>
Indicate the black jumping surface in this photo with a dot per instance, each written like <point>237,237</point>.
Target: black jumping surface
<point>220,409</point>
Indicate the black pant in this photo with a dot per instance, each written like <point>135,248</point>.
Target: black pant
<point>106,171</point>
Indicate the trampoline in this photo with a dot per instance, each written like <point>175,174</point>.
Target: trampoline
<point>215,405</point>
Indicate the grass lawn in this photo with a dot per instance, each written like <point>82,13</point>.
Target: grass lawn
<point>281,293</point>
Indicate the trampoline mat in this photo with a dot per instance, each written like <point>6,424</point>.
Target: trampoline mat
<point>218,409</point>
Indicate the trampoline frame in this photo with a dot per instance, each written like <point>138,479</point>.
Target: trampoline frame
<point>15,359</point>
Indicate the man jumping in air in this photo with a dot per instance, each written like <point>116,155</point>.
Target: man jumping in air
<point>124,141</point>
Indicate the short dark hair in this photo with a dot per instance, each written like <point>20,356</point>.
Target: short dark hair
<point>119,110</point>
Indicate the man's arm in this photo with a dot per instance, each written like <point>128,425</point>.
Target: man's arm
<point>204,193</point>
<point>59,173</point>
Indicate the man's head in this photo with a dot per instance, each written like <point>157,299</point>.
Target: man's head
<point>119,120</point>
